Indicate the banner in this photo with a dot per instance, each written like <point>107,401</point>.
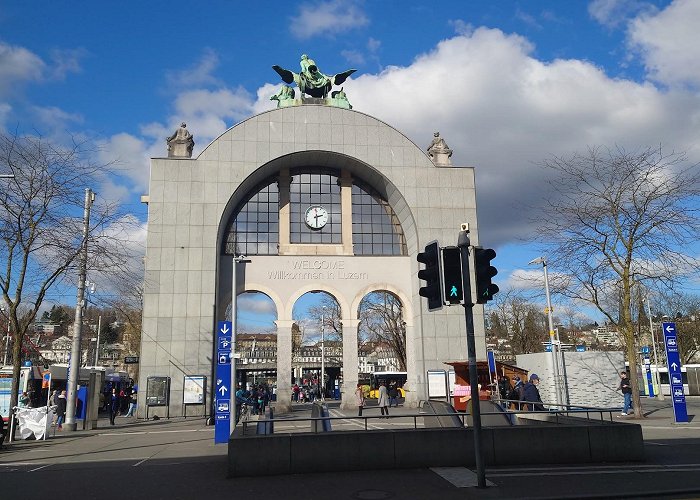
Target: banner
<point>34,421</point>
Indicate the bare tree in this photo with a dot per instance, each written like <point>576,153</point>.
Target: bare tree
<point>614,219</point>
<point>381,321</point>
<point>522,320</point>
<point>41,211</point>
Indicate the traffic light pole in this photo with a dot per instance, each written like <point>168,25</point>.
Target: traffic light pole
<point>463,244</point>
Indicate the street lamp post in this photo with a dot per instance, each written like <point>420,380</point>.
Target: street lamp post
<point>323,355</point>
<point>660,394</point>
<point>552,341</point>
<point>74,366</point>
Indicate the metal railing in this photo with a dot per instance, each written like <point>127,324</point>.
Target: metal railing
<point>571,411</point>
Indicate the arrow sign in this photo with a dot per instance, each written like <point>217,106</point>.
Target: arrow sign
<point>225,329</point>
<point>680,411</point>
<point>223,390</point>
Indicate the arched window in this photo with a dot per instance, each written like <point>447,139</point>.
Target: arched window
<point>376,229</point>
<point>255,227</point>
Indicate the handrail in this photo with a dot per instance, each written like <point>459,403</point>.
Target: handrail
<point>460,415</point>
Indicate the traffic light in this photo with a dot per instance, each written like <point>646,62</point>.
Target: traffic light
<point>452,275</point>
<point>484,271</point>
<point>431,275</point>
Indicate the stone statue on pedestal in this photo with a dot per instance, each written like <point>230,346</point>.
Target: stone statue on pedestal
<point>181,143</point>
<point>439,152</point>
<point>285,96</point>
<point>311,81</point>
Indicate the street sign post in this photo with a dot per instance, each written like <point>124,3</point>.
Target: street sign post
<point>675,376</point>
<point>224,393</point>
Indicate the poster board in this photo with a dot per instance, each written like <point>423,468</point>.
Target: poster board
<point>437,384</point>
<point>193,389</point>
<point>158,391</point>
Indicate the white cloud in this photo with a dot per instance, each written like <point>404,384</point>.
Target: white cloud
<point>55,118</point>
<point>66,61</point>
<point>199,74</point>
<point>353,56</point>
<point>502,111</point>
<point>18,64</point>
<point>256,304</point>
<point>327,18</point>
<point>129,155</point>
<point>613,13</point>
<point>669,42</point>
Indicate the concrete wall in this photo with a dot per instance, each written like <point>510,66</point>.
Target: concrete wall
<point>399,449</point>
<point>592,376</point>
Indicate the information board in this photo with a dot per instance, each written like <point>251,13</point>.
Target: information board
<point>193,388</point>
<point>437,384</point>
<point>158,391</point>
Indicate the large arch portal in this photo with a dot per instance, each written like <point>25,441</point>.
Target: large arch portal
<point>316,198</point>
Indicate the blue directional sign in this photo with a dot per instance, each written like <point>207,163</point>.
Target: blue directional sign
<point>492,361</point>
<point>222,389</point>
<point>675,376</point>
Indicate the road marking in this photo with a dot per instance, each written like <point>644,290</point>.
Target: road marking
<point>336,413</point>
<point>42,467</point>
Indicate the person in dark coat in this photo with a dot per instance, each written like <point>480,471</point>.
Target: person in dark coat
<point>61,410</point>
<point>393,395</point>
<point>114,404</point>
<point>531,395</point>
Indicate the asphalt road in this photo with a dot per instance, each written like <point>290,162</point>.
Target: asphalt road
<point>176,458</point>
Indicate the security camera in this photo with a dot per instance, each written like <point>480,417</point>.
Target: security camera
<point>464,226</point>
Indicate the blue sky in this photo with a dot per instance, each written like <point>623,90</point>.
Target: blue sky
<point>507,83</point>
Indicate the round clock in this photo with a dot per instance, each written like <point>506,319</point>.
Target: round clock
<point>316,217</point>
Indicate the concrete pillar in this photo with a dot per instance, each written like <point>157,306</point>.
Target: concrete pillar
<point>284,366</point>
<point>284,180</point>
<point>346,211</point>
<point>350,364</point>
<point>415,386</point>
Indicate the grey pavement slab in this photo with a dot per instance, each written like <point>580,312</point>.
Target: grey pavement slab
<point>173,459</point>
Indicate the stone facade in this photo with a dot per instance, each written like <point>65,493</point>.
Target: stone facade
<point>188,277</point>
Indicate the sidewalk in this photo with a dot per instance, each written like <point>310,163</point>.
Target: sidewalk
<point>176,458</point>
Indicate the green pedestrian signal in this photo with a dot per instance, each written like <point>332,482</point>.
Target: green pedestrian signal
<point>452,275</point>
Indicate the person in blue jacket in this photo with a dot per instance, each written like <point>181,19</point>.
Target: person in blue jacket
<point>531,395</point>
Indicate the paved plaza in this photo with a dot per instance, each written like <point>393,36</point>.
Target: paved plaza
<point>176,458</point>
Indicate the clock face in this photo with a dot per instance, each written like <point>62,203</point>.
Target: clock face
<point>316,217</point>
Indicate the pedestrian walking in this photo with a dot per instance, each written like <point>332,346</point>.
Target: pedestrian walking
<point>132,404</point>
<point>531,395</point>
<point>359,399</point>
<point>114,403</point>
<point>61,410</point>
<point>504,389</point>
<point>626,389</point>
<point>383,402</point>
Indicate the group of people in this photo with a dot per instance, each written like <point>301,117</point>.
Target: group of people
<point>119,402</point>
<point>257,397</point>
<point>387,397</point>
<point>521,396</point>
<point>305,393</point>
